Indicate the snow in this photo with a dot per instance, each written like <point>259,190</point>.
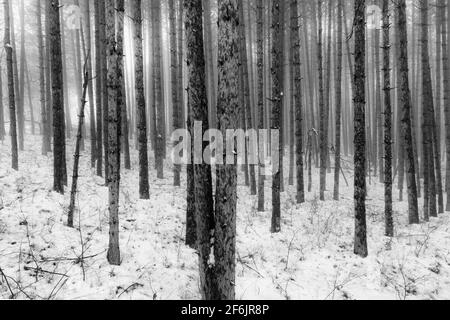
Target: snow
<point>312,258</point>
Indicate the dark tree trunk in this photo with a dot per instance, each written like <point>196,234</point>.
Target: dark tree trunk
<point>322,124</point>
<point>406,113</point>
<point>59,140</point>
<point>277,105</point>
<point>98,84</point>
<point>140,102</point>
<point>202,182</point>
<point>389,221</point>
<point>360,134</point>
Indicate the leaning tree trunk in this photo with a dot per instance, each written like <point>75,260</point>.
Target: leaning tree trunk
<point>406,113</point>
<point>198,111</point>
<point>360,130</point>
<point>59,142</point>
<point>11,95</point>
<point>113,177</point>
<point>228,111</point>
<point>140,103</point>
<point>389,221</point>
<point>76,160</point>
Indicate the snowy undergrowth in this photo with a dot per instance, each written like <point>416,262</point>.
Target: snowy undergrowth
<point>311,258</point>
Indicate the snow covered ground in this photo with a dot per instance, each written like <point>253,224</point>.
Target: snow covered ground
<point>310,259</point>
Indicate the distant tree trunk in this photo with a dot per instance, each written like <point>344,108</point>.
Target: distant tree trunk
<point>98,84</point>
<point>174,65</point>
<point>30,99</point>
<point>198,111</point>
<point>228,111</point>
<point>160,114</point>
<point>430,149</point>
<point>406,113</point>
<point>297,96</point>
<point>261,101</point>
<point>48,82</point>
<point>104,89</point>
<point>389,221</point>
<point>247,111</point>
<point>140,102</point>
<point>17,84</point>
<point>360,135</point>
<point>277,104</point>
<point>181,89</point>
<point>12,98</point>
<point>113,131</point>
<point>76,156</point>
<point>338,88</point>
<point>322,125</point>
<point>59,136</point>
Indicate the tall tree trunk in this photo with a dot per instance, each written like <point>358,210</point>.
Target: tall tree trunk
<point>59,137</point>
<point>298,97</point>
<point>277,105</point>
<point>113,177</point>
<point>360,134</point>
<point>228,111</point>
<point>406,113</point>
<point>160,114</point>
<point>98,84</point>
<point>11,93</point>
<point>323,124</point>
<point>176,107</point>
<point>2,117</point>
<point>430,148</point>
<point>338,88</point>
<point>389,221</point>
<point>261,102</point>
<point>198,111</point>
<point>140,102</point>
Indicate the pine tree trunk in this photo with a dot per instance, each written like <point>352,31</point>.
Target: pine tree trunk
<point>160,114</point>
<point>406,114</point>
<point>430,149</point>
<point>99,85</point>
<point>360,135</point>
<point>322,124</point>
<point>57,99</point>
<point>11,93</point>
<point>176,107</point>
<point>228,111</point>
<point>338,88</point>
<point>113,177</point>
<point>389,221</point>
<point>298,100</point>
<point>261,102</point>
<point>140,102</point>
<point>202,182</point>
<point>2,117</point>
<point>277,105</point>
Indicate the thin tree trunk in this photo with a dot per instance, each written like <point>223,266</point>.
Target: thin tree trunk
<point>98,84</point>
<point>261,102</point>
<point>11,94</point>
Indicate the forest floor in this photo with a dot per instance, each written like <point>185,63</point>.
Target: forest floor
<point>312,258</point>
